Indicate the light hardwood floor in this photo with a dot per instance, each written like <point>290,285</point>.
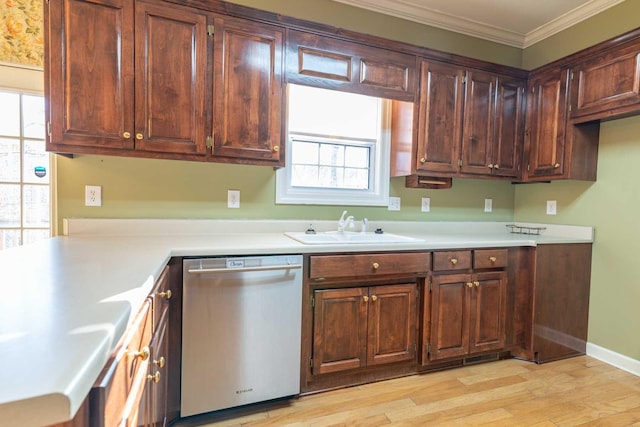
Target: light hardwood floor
<point>571,392</point>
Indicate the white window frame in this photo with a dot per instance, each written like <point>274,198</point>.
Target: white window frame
<point>376,195</point>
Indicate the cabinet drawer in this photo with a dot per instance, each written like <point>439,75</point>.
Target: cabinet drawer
<point>490,258</point>
<point>451,260</point>
<point>124,374</point>
<point>330,266</point>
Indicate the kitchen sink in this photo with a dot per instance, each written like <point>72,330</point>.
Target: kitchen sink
<point>349,237</point>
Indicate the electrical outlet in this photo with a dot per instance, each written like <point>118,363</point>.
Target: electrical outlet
<point>92,195</point>
<point>233,199</point>
<point>394,203</point>
<point>488,205</point>
<point>552,207</point>
<point>426,204</point>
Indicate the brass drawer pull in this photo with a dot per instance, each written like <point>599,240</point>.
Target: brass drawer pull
<point>374,298</point>
<point>493,259</point>
<point>469,285</point>
<point>453,261</point>
<point>126,135</point>
<point>476,283</point>
<point>375,266</point>
<point>139,136</point>
<point>365,298</point>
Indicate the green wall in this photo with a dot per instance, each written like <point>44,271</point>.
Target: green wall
<point>610,204</point>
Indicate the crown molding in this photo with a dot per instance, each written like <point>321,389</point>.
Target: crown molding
<point>567,20</point>
<point>406,9</point>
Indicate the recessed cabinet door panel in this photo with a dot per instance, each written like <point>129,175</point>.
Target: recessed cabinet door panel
<point>391,323</point>
<point>547,123</point>
<point>91,73</point>
<point>449,316</point>
<point>477,135</point>
<point>488,312</point>
<point>439,118</point>
<point>247,90</point>
<point>171,51</point>
<point>339,330</point>
<point>508,128</point>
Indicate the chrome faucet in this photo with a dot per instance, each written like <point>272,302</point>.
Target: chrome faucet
<point>363,228</point>
<point>345,222</point>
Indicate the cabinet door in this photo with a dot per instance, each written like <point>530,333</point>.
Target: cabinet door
<point>508,132</point>
<point>488,314</point>
<point>439,118</point>
<point>90,73</point>
<point>546,121</point>
<point>171,72</point>
<point>248,91</point>
<point>450,313</point>
<point>477,135</point>
<point>339,329</point>
<point>391,324</point>
<point>158,379</point>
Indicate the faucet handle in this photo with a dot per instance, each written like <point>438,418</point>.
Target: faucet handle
<point>364,225</point>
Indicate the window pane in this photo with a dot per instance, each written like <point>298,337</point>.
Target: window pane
<point>36,206</point>
<point>9,160</point>
<point>9,205</point>
<point>357,157</point>
<point>9,114</point>
<point>33,116</point>
<point>329,112</point>
<point>331,177</point>
<point>356,179</point>
<point>331,155</point>
<point>31,236</point>
<point>304,152</point>
<point>35,156</point>
<point>304,176</point>
<point>9,238</point>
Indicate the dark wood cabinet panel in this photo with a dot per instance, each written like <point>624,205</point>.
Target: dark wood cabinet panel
<point>450,311</point>
<point>90,74</point>
<point>339,329</point>
<point>157,380</point>
<point>439,118</point>
<point>330,63</point>
<point>509,125</point>
<point>171,68</point>
<point>546,124</point>
<point>369,265</point>
<point>606,85</point>
<point>391,324</point>
<point>451,260</point>
<point>248,91</point>
<point>488,313</point>
<point>478,125</point>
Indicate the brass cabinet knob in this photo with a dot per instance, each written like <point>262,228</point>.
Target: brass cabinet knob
<point>142,354</point>
<point>490,166</point>
<point>423,160</point>
<point>493,259</point>
<point>126,135</point>
<point>155,378</point>
<point>365,298</point>
<point>476,283</point>
<point>375,265</point>
<point>160,362</point>
<point>453,261</point>
<point>469,285</point>
<point>496,166</point>
<point>139,136</point>
<point>165,295</point>
<point>374,298</point>
<point>276,148</point>
<point>556,166</point>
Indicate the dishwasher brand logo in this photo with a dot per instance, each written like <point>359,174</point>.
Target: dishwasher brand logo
<point>235,263</point>
<point>246,390</point>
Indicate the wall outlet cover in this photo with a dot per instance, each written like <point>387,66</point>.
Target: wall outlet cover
<point>92,195</point>
<point>552,207</point>
<point>426,204</point>
<point>233,199</point>
<point>394,203</point>
<point>488,205</point>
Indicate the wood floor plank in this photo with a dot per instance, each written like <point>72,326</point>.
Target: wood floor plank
<point>580,391</point>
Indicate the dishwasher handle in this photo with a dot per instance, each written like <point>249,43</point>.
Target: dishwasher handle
<point>244,269</point>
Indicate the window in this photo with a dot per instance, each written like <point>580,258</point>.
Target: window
<point>337,149</point>
<point>24,170</point>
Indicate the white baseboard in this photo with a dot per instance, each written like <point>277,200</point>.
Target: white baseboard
<point>615,359</point>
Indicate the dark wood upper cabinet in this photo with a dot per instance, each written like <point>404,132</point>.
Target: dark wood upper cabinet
<point>103,100</point>
<point>607,85</point>
<point>248,91</point>
<point>90,74</point>
<point>330,63</point>
<point>170,78</point>
<point>439,118</point>
<point>509,125</point>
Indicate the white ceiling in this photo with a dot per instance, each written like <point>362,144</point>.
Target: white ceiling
<point>518,23</point>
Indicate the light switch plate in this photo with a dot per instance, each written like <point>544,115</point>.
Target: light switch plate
<point>426,204</point>
<point>552,207</point>
<point>394,203</point>
<point>488,205</point>
<point>233,199</point>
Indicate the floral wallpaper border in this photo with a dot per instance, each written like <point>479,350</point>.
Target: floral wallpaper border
<point>21,32</point>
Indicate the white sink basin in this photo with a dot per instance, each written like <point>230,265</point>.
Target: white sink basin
<point>348,237</point>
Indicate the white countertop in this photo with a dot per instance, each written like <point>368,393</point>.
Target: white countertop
<point>66,301</point>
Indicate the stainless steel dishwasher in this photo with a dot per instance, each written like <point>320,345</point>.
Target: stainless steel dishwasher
<point>241,324</point>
